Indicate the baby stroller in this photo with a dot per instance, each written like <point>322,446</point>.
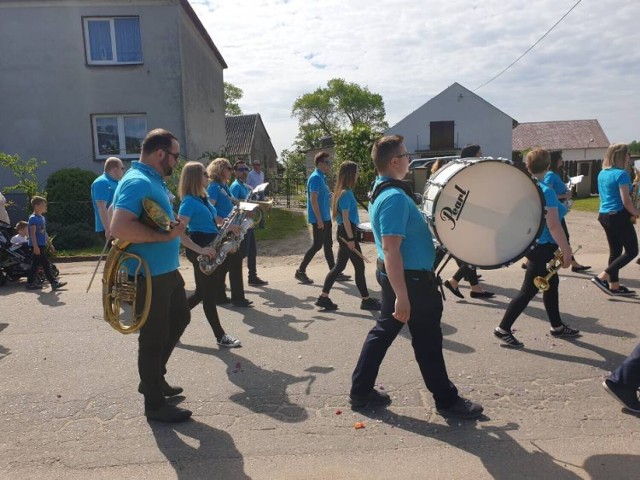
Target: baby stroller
<point>15,260</point>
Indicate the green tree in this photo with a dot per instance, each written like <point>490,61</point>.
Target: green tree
<point>634,148</point>
<point>355,145</point>
<point>294,163</point>
<point>24,171</point>
<point>232,96</point>
<point>340,105</point>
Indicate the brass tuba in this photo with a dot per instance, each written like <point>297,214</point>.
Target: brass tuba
<point>122,271</point>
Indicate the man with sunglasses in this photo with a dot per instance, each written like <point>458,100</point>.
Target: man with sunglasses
<point>319,215</point>
<point>169,314</point>
<point>241,190</point>
<point>102,190</point>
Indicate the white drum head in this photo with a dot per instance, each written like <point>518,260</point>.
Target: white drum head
<point>486,213</point>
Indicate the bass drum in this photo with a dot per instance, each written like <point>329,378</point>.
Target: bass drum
<point>485,212</point>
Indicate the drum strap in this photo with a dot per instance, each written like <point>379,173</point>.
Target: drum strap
<point>417,198</point>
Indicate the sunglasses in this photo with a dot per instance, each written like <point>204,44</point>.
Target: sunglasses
<point>242,169</point>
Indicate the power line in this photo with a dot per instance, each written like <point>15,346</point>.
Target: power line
<point>530,48</point>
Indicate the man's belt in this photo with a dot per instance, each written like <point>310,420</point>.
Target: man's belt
<point>414,273</point>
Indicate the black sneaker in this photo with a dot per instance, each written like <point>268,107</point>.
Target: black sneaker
<point>622,291</point>
<point>57,285</point>
<point>229,342</point>
<point>370,304</point>
<point>167,390</point>
<point>33,286</point>
<point>257,282</point>
<point>343,278</point>
<point>302,277</point>
<point>244,303</point>
<point>463,408</point>
<point>374,399</point>
<point>326,303</point>
<point>565,332</point>
<point>601,284</point>
<point>508,339</point>
<point>628,397</point>
<point>168,413</point>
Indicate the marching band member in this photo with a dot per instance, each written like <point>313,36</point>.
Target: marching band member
<point>551,238</point>
<point>409,289</point>
<point>200,217</point>
<point>169,314</point>
<point>344,209</point>
<point>616,210</point>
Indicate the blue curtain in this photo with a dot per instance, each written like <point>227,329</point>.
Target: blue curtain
<point>100,40</point>
<point>128,44</point>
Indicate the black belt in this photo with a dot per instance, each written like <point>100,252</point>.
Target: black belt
<point>419,273</point>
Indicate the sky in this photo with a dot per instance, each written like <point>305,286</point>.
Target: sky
<point>408,51</point>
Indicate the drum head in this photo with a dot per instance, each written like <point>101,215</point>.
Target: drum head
<point>487,213</point>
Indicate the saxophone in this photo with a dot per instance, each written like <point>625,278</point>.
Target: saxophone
<point>122,271</point>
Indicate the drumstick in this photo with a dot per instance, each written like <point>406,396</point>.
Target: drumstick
<point>355,251</point>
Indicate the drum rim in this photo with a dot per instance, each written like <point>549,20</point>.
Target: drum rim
<point>531,246</point>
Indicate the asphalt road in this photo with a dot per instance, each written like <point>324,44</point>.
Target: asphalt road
<point>277,407</point>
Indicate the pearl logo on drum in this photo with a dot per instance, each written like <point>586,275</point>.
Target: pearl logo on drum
<point>453,214</point>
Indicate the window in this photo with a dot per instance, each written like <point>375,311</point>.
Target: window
<point>441,135</point>
<point>118,135</point>
<point>112,41</point>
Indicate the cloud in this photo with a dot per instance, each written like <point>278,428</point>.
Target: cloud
<point>587,67</point>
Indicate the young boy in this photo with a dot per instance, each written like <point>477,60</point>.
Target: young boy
<point>38,242</point>
<point>21,233</point>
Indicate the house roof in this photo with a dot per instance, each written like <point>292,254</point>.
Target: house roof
<point>203,31</point>
<point>560,135</point>
<point>240,131</point>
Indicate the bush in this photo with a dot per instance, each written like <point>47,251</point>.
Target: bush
<point>69,198</point>
<point>74,236</point>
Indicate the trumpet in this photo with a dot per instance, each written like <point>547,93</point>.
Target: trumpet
<point>553,266</point>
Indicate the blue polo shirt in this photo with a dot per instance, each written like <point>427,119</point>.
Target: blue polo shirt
<point>395,214</point>
<point>609,182</point>
<point>220,194</point>
<point>347,201</point>
<point>318,183</point>
<point>239,190</point>
<point>102,189</point>
<point>41,229</point>
<point>202,215</point>
<point>555,183</point>
<point>550,201</point>
<point>142,181</point>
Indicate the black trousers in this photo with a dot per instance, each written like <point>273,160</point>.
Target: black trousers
<point>251,247</point>
<point>628,374</point>
<point>168,318</point>
<point>321,239</point>
<point>536,266</point>
<point>233,266</point>
<point>424,325</point>
<point>621,235</point>
<point>466,272</point>
<point>43,261</point>
<point>205,292</point>
<point>344,255</point>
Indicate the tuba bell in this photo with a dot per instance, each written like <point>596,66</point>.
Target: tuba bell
<point>123,269</point>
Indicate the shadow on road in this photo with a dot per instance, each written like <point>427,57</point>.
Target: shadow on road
<point>4,351</point>
<point>196,450</point>
<point>618,466</point>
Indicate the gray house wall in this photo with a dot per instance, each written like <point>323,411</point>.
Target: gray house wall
<point>262,149</point>
<point>476,121</point>
<point>48,92</point>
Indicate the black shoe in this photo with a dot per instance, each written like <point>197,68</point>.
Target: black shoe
<point>456,291</point>
<point>241,303</point>
<point>168,413</point>
<point>508,339</point>
<point>565,332</point>
<point>343,278</point>
<point>326,303</point>
<point>622,291</point>
<point>223,301</point>
<point>601,284</point>
<point>628,397</point>
<point>370,304</point>
<point>302,277</point>
<point>257,282</point>
<point>374,399</point>
<point>167,390</point>
<point>483,294</point>
<point>523,265</point>
<point>580,268</point>
<point>57,285</point>
<point>463,408</point>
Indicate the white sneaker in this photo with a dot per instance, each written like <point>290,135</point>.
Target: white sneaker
<point>229,342</point>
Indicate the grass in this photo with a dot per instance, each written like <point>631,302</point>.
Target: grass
<point>280,224</point>
<point>591,204</point>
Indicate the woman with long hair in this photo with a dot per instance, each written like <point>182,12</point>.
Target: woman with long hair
<point>344,210</point>
<point>550,240</point>
<point>465,271</point>
<point>200,217</point>
<point>615,214</point>
<point>219,171</point>
<point>553,180</point>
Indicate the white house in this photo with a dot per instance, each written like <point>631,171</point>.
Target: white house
<point>452,119</point>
